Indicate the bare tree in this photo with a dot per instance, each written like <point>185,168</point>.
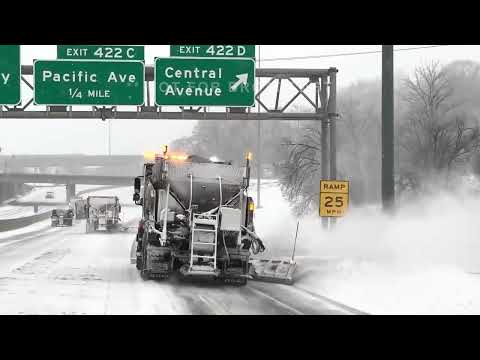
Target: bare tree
<point>359,139</point>
<point>301,170</point>
<point>435,134</point>
<point>357,147</point>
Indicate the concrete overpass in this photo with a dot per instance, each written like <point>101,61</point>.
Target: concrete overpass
<point>61,160</point>
<point>70,170</point>
<point>71,164</point>
<point>68,180</point>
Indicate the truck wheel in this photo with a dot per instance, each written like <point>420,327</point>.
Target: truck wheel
<point>144,272</point>
<point>243,282</point>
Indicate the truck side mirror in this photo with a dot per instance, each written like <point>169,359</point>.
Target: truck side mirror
<point>137,184</point>
<point>136,188</point>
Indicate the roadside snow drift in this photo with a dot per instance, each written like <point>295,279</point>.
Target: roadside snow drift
<point>422,260</point>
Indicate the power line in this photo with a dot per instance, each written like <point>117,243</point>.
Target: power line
<point>350,54</point>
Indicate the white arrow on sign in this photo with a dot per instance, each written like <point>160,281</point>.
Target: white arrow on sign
<point>242,79</point>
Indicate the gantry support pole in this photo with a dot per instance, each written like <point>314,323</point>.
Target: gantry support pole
<point>332,116</point>
<point>324,138</point>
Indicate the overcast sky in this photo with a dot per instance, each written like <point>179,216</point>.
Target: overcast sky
<point>136,136</point>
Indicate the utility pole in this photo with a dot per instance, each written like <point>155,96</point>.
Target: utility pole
<point>259,141</point>
<point>388,150</point>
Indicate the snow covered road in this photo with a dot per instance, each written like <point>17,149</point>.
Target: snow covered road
<point>65,271</point>
<point>68,272</point>
<point>379,265</point>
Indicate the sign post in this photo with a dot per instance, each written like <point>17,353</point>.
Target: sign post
<point>101,52</point>
<point>88,82</point>
<point>10,75</point>
<point>334,197</point>
<point>204,82</point>
<point>247,51</point>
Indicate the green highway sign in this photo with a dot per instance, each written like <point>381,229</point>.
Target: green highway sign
<point>247,51</point>
<point>204,82</point>
<point>88,82</point>
<point>10,74</point>
<point>101,52</point>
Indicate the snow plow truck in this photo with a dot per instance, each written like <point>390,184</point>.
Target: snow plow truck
<point>197,220</point>
<point>102,213</point>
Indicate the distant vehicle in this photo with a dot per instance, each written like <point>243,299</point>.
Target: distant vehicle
<point>50,195</point>
<point>62,217</point>
<point>102,213</point>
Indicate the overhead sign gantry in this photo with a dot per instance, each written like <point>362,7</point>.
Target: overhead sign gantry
<point>223,89</point>
<point>320,106</point>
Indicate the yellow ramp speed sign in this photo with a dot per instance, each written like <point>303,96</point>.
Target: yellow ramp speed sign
<point>334,196</point>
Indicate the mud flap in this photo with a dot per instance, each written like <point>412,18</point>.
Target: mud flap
<point>133,252</point>
<point>278,271</point>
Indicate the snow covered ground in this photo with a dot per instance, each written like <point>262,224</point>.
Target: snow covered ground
<point>424,260</point>
<point>27,231</point>
<point>39,194</point>
<point>36,195</point>
<point>14,212</point>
